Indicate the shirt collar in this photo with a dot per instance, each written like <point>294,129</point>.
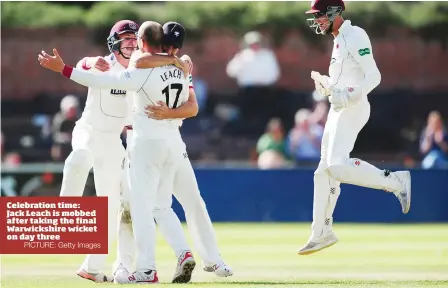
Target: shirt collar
<point>345,26</point>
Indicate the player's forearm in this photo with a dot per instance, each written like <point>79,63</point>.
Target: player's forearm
<point>102,81</point>
<point>371,80</point>
<point>151,61</point>
<point>188,109</point>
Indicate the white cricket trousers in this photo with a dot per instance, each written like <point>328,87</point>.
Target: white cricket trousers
<point>187,192</point>
<point>340,134</point>
<point>151,161</point>
<point>105,153</point>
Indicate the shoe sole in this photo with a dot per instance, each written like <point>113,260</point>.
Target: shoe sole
<point>408,188</point>
<point>225,275</point>
<point>185,276</point>
<point>83,274</point>
<point>308,252</point>
<point>208,269</point>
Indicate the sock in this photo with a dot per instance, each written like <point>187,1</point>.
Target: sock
<point>335,191</point>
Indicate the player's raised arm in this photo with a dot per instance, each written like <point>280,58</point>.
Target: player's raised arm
<point>360,48</point>
<point>129,79</point>
<point>148,60</point>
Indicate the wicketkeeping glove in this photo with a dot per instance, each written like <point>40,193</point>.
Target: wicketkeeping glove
<point>322,83</point>
<point>341,98</point>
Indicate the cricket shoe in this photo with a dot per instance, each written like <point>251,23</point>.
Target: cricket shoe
<point>317,245</point>
<point>404,195</point>
<point>185,267</point>
<point>95,277</point>
<point>221,269</point>
<point>121,273</point>
<point>148,277</point>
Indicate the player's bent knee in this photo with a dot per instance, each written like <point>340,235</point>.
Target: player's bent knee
<point>321,167</point>
<point>79,158</point>
<point>337,172</point>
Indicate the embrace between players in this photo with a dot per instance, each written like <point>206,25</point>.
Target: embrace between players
<point>156,164</point>
<point>162,97</point>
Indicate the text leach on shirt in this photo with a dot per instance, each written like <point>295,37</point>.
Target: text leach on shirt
<point>130,105</point>
<point>166,83</point>
<point>106,108</point>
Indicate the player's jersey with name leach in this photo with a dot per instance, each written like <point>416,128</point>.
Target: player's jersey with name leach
<point>166,83</point>
<point>106,109</point>
<point>352,62</point>
<point>130,101</point>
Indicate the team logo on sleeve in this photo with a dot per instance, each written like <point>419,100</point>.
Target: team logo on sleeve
<point>364,51</point>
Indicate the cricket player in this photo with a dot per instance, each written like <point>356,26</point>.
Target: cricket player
<point>185,189</point>
<point>353,74</point>
<point>156,146</point>
<point>101,122</point>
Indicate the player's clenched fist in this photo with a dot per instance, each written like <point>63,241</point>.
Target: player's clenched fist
<point>187,59</point>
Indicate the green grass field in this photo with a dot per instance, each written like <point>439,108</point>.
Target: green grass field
<point>264,255</point>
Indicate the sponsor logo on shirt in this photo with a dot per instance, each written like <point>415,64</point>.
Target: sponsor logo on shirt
<point>364,51</point>
<point>117,92</point>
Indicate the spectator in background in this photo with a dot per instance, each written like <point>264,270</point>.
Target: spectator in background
<point>9,159</point>
<point>256,70</point>
<point>321,106</point>
<point>271,146</point>
<point>201,89</point>
<point>2,143</point>
<point>434,143</point>
<point>63,123</point>
<point>304,140</point>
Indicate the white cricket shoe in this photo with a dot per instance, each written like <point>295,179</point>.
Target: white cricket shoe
<point>220,269</point>
<point>95,277</point>
<point>121,273</point>
<point>148,277</point>
<point>185,267</point>
<point>404,196</point>
<point>317,245</point>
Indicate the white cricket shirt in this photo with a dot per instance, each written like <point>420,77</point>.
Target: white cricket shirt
<point>166,83</point>
<point>352,62</point>
<point>129,119</point>
<point>106,108</point>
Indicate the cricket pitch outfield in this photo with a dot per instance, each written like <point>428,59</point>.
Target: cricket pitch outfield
<point>264,255</point>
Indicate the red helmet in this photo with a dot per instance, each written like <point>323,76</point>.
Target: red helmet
<point>319,8</point>
<point>121,27</point>
<point>322,6</point>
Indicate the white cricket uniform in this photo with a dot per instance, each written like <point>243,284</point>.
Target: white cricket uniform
<point>352,64</point>
<point>156,148</point>
<point>187,192</point>
<point>96,143</point>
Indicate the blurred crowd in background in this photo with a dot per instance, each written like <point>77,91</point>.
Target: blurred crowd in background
<point>257,121</point>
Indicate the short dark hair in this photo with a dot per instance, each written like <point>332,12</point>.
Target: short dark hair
<point>152,33</point>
